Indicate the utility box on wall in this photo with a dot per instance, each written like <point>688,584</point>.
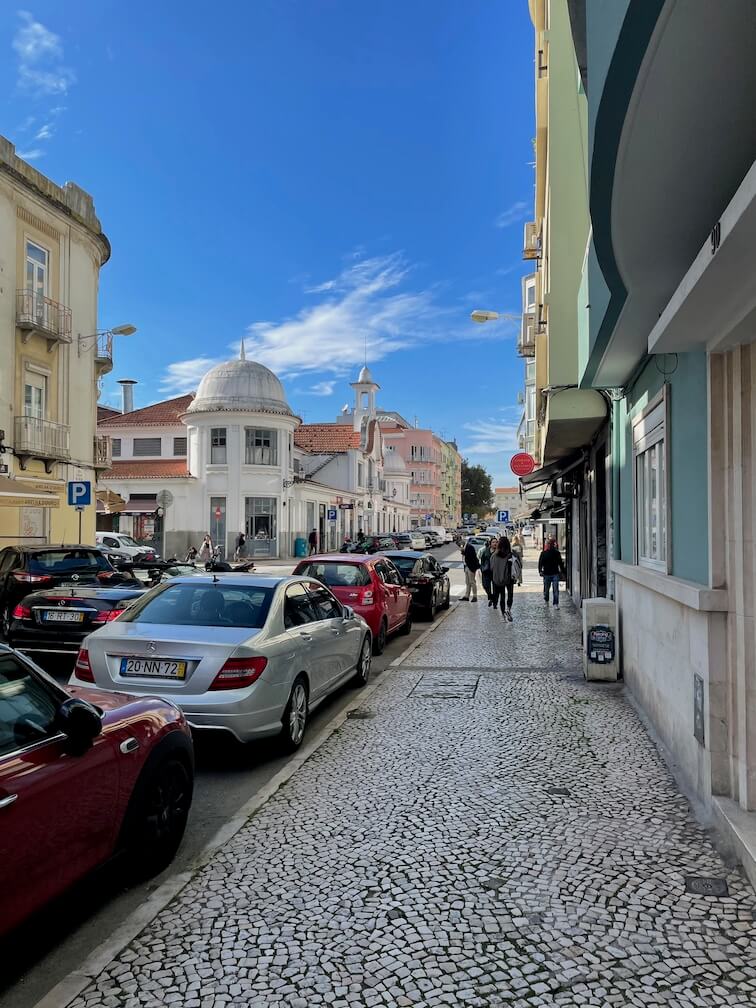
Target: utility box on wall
<point>600,640</point>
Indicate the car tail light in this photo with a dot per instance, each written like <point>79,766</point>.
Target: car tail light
<point>107,615</point>
<point>32,578</point>
<point>368,597</point>
<point>82,667</point>
<point>22,612</point>
<point>106,575</point>
<point>238,673</point>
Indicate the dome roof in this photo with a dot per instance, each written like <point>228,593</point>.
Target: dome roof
<point>364,377</point>
<point>242,385</point>
<point>393,461</point>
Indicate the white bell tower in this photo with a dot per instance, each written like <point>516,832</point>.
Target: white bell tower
<point>364,398</point>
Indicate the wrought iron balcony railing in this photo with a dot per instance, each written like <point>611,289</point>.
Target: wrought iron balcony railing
<point>41,439</point>
<point>43,316</point>
<point>102,454</point>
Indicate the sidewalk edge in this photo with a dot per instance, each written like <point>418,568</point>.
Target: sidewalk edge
<point>65,990</point>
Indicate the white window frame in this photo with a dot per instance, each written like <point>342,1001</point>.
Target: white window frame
<point>261,454</point>
<point>46,267</point>
<point>650,432</point>
<point>36,377</point>
<point>218,446</point>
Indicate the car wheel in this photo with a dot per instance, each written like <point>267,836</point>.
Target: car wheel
<point>157,819</point>
<point>294,721</point>
<point>447,602</point>
<point>362,674</point>
<point>379,642</point>
<point>407,625</point>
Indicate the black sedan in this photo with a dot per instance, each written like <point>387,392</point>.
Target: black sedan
<point>425,577</point>
<point>54,623</point>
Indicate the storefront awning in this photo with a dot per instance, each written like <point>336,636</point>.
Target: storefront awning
<point>137,507</point>
<point>18,493</point>
<point>109,502</point>
<point>552,471</point>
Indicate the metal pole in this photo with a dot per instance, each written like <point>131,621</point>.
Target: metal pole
<point>80,514</point>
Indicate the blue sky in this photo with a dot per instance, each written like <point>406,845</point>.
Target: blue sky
<point>309,173</point>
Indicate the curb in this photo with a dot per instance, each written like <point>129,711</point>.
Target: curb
<point>67,989</point>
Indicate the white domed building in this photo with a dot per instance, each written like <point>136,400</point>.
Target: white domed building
<point>234,457</point>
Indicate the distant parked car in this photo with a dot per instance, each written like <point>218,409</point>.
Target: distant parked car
<point>435,538</point>
<point>24,569</point>
<point>83,775</point>
<point>252,656</point>
<point>371,544</point>
<point>426,579</point>
<point>55,622</point>
<point>126,544</point>
<point>410,540</point>
<point>372,586</point>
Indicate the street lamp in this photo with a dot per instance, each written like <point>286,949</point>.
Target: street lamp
<point>85,342</point>
<point>481,315</point>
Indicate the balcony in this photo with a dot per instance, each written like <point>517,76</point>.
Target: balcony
<point>531,241</point>
<point>102,456</point>
<point>41,316</point>
<point>104,354</point>
<point>526,342</point>
<point>41,439</point>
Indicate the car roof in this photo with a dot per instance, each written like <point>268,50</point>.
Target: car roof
<point>415,554</point>
<point>73,590</point>
<point>54,547</point>
<point>353,558</point>
<point>231,577</point>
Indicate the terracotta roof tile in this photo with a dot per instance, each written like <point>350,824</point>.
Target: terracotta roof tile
<point>166,412</point>
<point>148,469</point>
<point>326,438</point>
<point>507,490</point>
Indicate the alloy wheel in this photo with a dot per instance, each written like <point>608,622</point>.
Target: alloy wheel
<point>297,713</point>
<point>166,804</point>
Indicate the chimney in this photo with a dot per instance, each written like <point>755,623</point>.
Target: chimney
<point>127,387</point>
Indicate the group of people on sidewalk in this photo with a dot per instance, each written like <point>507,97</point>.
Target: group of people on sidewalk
<point>500,566</point>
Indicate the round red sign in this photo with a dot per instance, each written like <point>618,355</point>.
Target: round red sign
<point>522,464</point>
<point>218,513</point>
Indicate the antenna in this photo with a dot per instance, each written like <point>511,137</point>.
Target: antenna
<point>366,348</point>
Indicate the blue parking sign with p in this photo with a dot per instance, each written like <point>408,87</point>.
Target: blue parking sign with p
<point>332,514</point>
<point>502,517</point>
<point>79,493</point>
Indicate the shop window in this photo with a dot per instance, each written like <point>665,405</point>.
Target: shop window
<point>650,487</point>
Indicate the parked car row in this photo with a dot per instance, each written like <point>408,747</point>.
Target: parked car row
<point>414,539</point>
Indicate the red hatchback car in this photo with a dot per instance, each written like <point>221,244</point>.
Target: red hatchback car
<point>371,585</point>
<point>83,775</point>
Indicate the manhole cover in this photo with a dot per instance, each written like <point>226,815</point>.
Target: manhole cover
<point>432,688</point>
<point>702,885</point>
<point>360,714</point>
<point>559,792</point>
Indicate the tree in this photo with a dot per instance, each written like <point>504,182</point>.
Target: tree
<point>477,494</point>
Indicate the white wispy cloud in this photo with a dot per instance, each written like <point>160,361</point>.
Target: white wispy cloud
<point>39,51</point>
<point>322,388</point>
<point>184,376</point>
<point>31,155</point>
<point>516,212</point>
<point>489,437</point>
<point>45,132</point>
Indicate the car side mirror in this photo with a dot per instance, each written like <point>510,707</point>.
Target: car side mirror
<point>348,612</point>
<point>444,570</point>
<point>80,722</point>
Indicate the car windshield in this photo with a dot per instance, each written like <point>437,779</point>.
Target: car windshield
<point>128,541</point>
<point>216,605</point>
<point>338,575</point>
<point>404,563</point>
<point>67,561</point>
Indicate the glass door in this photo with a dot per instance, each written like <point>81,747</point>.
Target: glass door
<point>260,520</point>
<point>37,280</point>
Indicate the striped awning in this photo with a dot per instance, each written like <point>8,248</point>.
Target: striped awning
<point>18,493</point>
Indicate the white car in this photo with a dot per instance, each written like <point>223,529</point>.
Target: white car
<point>124,543</point>
<point>411,541</point>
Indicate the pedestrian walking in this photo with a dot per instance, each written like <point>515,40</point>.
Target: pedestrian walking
<point>206,550</point>
<point>241,547</point>
<point>518,548</point>
<point>550,567</point>
<point>472,566</point>
<point>485,569</point>
<point>504,573</point>
<point>313,541</point>
<point>191,554</point>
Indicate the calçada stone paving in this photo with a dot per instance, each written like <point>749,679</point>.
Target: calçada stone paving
<point>499,833</point>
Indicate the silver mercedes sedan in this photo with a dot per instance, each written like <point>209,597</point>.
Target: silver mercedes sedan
<point>250,655</point>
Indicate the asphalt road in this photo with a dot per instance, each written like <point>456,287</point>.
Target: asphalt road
<point>57,940</point>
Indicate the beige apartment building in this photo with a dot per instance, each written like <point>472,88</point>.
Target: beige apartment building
<point>51,250</point>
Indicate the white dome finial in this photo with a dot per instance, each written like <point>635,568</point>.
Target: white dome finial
<point>242,351</point>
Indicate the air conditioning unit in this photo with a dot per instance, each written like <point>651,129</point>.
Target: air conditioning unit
<point>531,241</point>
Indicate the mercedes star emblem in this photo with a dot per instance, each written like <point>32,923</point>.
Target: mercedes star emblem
<point>152,647</point>
<point>74,577</point>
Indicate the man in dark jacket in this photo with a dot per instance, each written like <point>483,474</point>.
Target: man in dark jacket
<point>312,540</point>
<point>550,567</point>
<point>472,566</point>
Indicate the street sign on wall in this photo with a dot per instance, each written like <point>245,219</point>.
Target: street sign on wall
<point>522,464</point>
<point>331,514</point>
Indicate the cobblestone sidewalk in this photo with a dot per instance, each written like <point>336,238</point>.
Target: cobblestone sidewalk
<point>494,831</point>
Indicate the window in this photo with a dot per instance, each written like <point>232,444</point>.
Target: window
<point>37,262</point>
<point>340,575</point>
<point>260,518</point>
<point>179,446</point>
<point>203,605</point>
<point>35,395</point>
<point>325,605</point>
<point>649,455</point>
<point>27,706</point>
<point>115,447</point>
<point>360,474</point>
<point>217,523</point>
<point>144,446</point>
<point>60,561</point>
<point>261,446</point>
<point>218,446</point>
<point>298,608</point>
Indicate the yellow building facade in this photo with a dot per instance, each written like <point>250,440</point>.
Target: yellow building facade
<point>51,250</point>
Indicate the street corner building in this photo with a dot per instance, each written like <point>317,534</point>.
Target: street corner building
<point>644,377</point>
<point>51,355</point>
<point>235,458</point>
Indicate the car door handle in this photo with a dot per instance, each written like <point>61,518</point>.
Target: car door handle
<point>306,636</point>
<point>129,745</point>
<point>8,800</point>
<point>335,631</point>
